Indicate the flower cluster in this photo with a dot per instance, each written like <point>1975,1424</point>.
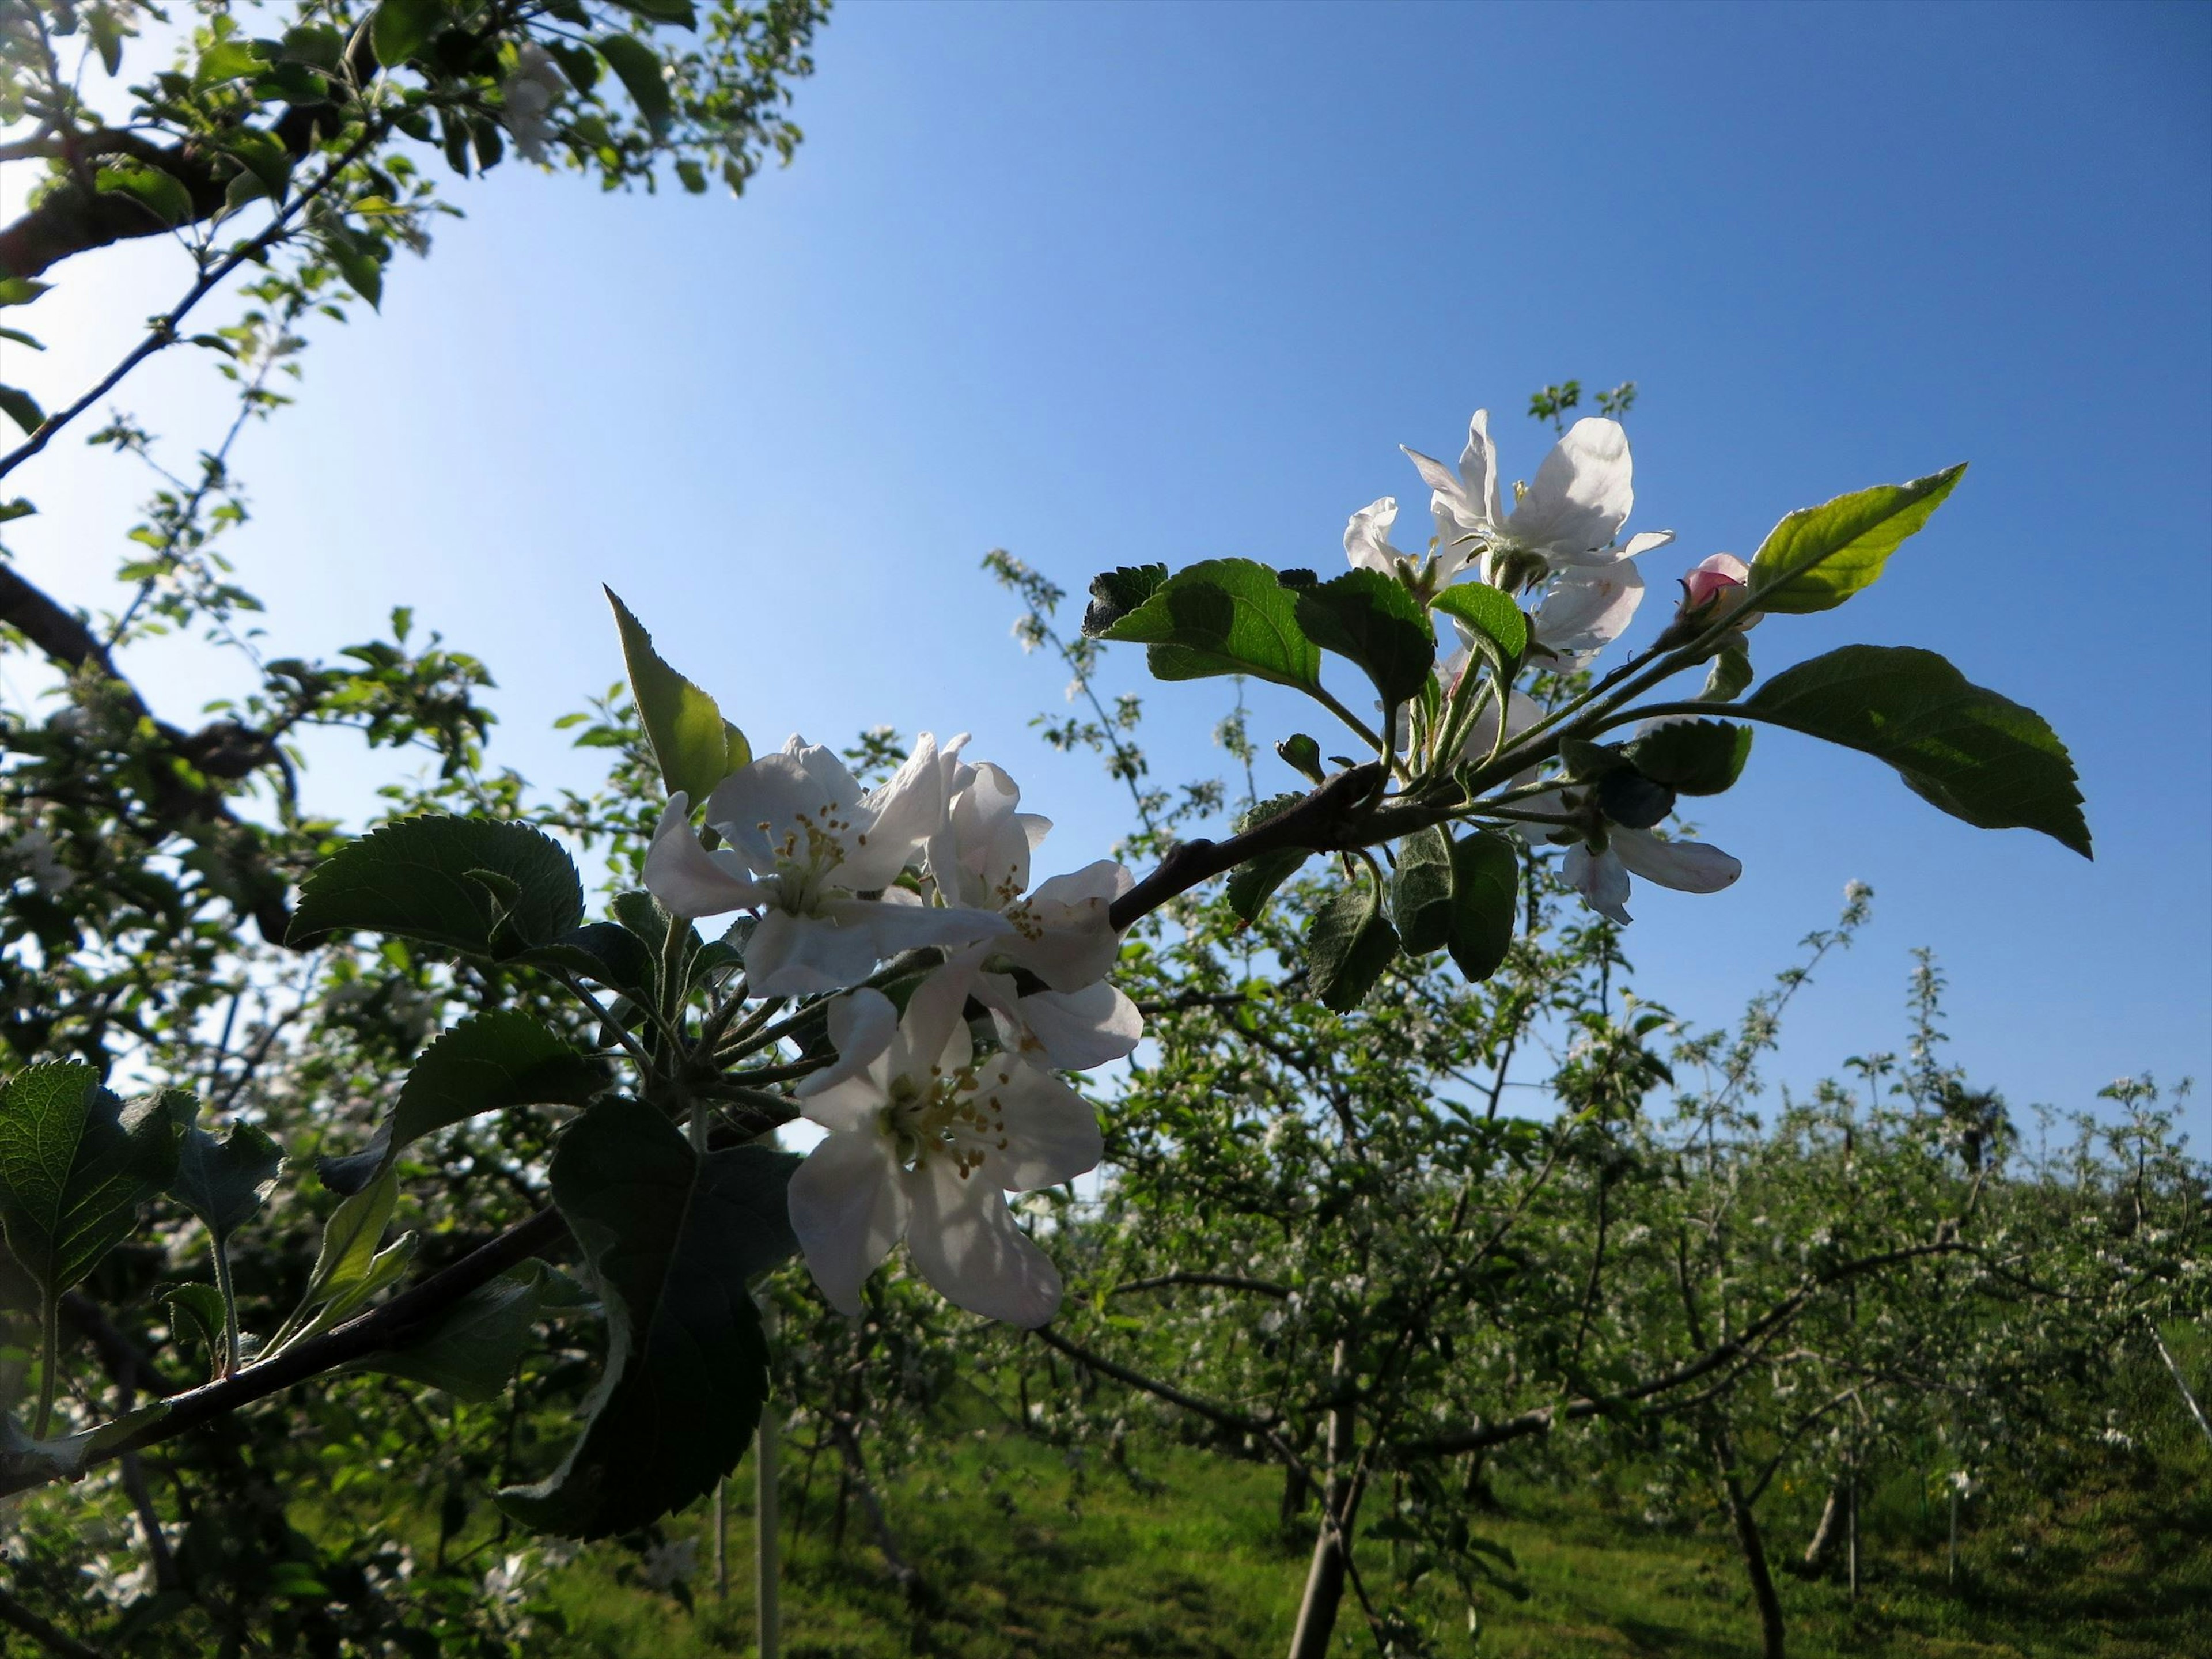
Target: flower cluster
<point>926,1129</point>
<point>1562,543</point>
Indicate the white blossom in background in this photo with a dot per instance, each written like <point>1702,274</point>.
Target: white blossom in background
<point>925,1138</point>
<point>818,859</point>
<point>532,89</point>
<point>32,854</point>
<point>670,1563</point>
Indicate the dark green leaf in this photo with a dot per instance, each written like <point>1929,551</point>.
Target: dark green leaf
<point>1303,755</point>
<point>226,60</point>
<point>412,878</point>
<point>1348,945</point>
<point>487,1063</point>
<point>1366,617</point>
<point>637,65</point>
<point>602,950</point>
<point>470,1350</point>
<point>1697,758</point>
<point>678,12</point>
<point>1223,616</point>
<point>314,43</point>
<point>696,748</point>
<point>1485,903</point>
<point>21,408</point>
<point>21,290</point>
<point>362,271</point>
<point>165,200</point>
<point>76,1163</point>
<point>1115,593</point>
<point>16,336</point>
<point>224,1182</point>
<point>1626,797</point>
<point>1253,882</point>
<point>195,1316</point>
<point>401,28</point>
<point>18,509</point>
<point>669,1240</point>
<point>1421,892</point>
<point>1819,556</point>
<point>1975,754</point>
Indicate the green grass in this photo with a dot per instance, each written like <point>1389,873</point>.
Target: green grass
<point>1023,1556</point>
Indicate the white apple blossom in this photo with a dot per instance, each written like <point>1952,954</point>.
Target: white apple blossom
<point>924,1140</point>
<point>534,88</point>
<point>1604,855</point>
<point>819,860</point>
<point>32,852</point>
<point>1569,518</point>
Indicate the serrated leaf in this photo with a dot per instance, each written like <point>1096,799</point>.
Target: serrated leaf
<point>1115,593</point>
<point>669,1240</point>
<point>603,951</point>
<point>486,1063</point>
<point>678,12</point>
<point>1223,616</point>
<point>1695,758</point>
<point>1364,615</point>
<point>471,1350</point>
<point>1819,556</point>
<point>401,28</point>
<point>1489,613</point>
<point>637,66</point>
<point>1253,882</point>
<point>20,407</point>
<point>1485,903</point>
<point>1303,755</point>
<point>1348,945</point>
<point>222,1182</point>
<point>412,878</point>
<point>164,196</point>
<point>1971,751</point>
<point>76,1163</point>
<point>195,1316</point>
<point>1421,892</point>
<point>696,747</point>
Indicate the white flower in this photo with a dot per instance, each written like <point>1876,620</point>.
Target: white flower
<point>536,85</point>
<point>804,845</point>
<point>1604,856</point>
<point>1062,936</point>
<point>669,1563</point>
<point>923,1140</point>
<point>34,853</point>
<point>1570,517</point>
<point>1585,611</point>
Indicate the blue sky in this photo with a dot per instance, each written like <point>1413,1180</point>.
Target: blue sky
<point>1102,284</point>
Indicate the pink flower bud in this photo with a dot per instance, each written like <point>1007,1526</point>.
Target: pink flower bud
<point>1714,581</point>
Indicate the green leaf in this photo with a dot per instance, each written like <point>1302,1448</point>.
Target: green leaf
<point>1695,758</point>
<point>1977,754</point>
<point>414,878</point>
<point>16,336</point>
<point>362,271</point>
<point>195,1315</point>
<point>602,950</point>
<point>637,65</point>
<point>400,28</point>
<point>1303,755</point>
<point>471,1350</point>
<point>1348,945</point>
<point>1366,616</point>
<point>163,196</point>
<point>1730,673</point>
<point>487,1063</point>
<point>1223,616</point>
<point>696,748</point>
<point>264,156</point>
<point>678,12</point>
<point>224,1182</point>
<point>1253,882</point>
<point>226,60</point>
<point>669,1240</point>
<point>20,508</point>
<point>1491,615</point>
<point>1485,903</point>
<point>1115,593</point>
<point>1819,556</point>
<point>349,1244</point>
<point>21,290</point>
<point>21,408</point>
<point>1421,892</point>
<point>76,1163</point>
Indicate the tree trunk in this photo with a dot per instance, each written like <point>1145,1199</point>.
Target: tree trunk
<point>1751,1545</point>
<point>1324,1592</point>
<point>1824,1536</point>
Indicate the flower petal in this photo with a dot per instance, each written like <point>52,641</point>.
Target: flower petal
<point>687,878</point>
<point>792,956</point>
<point>1687,866</point>
<point>848,1206</point>
<point>895,823</point>
<point>964,1241</point>
<point>1581,497</point>
<point>1586,609</point>
<point>1600,879</point>
<point>862,1024</point>
<point>771,804</point>
<point>1478,468</point>
<point>1075,1031</point>
<point>1645,541</point>
<point>1367,537</point>
<point>1050,1134</point>
<point>932,1038</point>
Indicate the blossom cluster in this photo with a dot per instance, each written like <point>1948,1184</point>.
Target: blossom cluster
<point>1561,544</point>
<point>925,1128</point>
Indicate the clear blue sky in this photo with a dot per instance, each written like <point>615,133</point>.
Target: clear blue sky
<point>1109,283</point>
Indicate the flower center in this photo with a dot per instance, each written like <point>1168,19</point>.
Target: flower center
<point>948,1115</point>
